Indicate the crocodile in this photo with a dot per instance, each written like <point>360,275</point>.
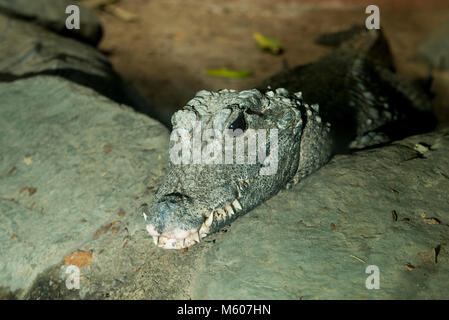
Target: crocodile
<point>347,100</point>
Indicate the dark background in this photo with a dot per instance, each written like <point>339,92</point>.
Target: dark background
<point>164,53</point>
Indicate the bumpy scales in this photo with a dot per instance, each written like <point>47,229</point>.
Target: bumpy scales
<point>352,99</point>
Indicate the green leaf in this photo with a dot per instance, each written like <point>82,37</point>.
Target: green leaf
<point>226,73</point>
<point>266,43</point>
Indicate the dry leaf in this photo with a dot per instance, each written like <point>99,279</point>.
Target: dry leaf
<point>31,191</point>
<point>121,213</point>
<point>431,221</point>
<point>102,230</point>
<point>120,13</point>
<point>226,73</point>
<point>78,258</point>
<point>269,44</point>
<point>409,266</point>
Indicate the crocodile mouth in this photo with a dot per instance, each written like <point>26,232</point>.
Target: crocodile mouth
<point>180,239</point>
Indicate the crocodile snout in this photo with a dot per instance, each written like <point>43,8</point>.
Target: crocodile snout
<point>169,221</point>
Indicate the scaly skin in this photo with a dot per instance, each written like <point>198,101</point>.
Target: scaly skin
<point>360,101</point>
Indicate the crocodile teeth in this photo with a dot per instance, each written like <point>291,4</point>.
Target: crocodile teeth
<point>236,205</point>
<point>144,216</point>
<point>162,241</point>
<point>188,242</point>
<point>204,230</point>
<point>209,220</point>
<point>179,244</point>
<point>155,240</point>
<point>229,210</point>
<point>173,243</point>
<point>196,237</point>
<point>221,214</point>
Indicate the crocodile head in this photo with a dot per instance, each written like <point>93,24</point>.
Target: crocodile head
<point>204,190</point>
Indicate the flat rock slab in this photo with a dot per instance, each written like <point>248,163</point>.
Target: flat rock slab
<point>386,207</point>
<point>52,15</point>
<point>41,52</point>
<point>71,161</point>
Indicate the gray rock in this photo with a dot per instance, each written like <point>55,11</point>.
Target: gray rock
<point>71,161</point>
<point>41,52</point>
<point>435,49</point>
<point>51,14</point>
<point>314,241</point>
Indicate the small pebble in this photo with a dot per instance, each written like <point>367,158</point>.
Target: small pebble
<point>409,266</point>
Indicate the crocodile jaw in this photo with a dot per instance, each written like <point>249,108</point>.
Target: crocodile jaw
<point>204,198</point>
<point>180,239</point>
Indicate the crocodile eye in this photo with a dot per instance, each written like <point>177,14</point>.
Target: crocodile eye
<point>239,123</point>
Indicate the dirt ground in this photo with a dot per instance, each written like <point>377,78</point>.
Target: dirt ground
<point>165,52</point>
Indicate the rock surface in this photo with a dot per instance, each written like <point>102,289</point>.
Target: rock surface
<point>52,15</point>
<point>386,207</point>
<point>43,52</point>
<point>75,165</point>
<point>316,240</point>
<point>70,161</point>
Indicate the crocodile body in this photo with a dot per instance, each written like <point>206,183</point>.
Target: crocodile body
<point>349,99</point>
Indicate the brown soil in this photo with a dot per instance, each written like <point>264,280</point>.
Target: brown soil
<point>164,54</point>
